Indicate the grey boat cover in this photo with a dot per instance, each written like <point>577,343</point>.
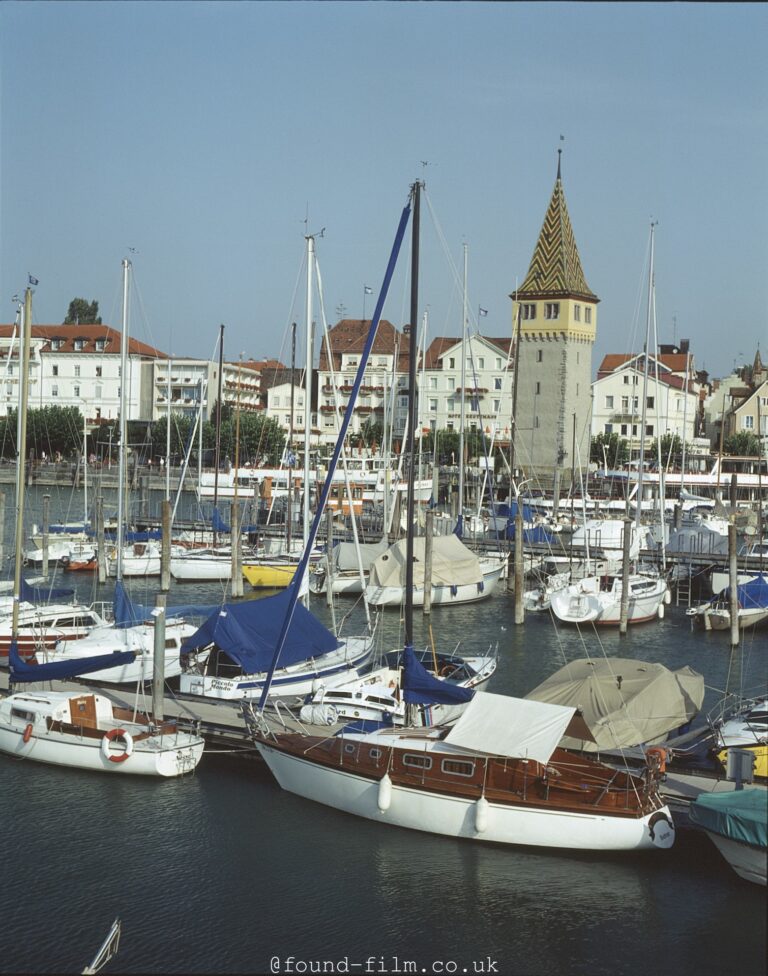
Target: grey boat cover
<point>624,702</point>
<point>345,555</point>
<point>697,540</point>
<point>740,815</point>
<point>452,564</point>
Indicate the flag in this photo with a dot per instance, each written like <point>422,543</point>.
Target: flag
<point>33,280</point>
<point>483,311</point>
<point>368,291</point>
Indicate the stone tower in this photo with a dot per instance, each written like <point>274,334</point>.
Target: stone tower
<point>555,315</point>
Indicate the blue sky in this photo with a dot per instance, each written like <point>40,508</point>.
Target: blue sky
<point>209,136</point>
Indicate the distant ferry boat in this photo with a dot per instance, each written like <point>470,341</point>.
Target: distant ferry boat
<point>367,479</point>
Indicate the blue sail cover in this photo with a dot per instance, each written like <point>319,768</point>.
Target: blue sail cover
<point>422,688</point>
<point>128,614</point>
<point>61,670</point>
<point>538,534</point>
<point>753,595</point>
<point>43,594</point>
<point>217,522</point>
<point>249,633</point>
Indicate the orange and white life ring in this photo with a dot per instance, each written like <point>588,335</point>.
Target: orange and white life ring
<point>27,733</point>
<point>117,757</point>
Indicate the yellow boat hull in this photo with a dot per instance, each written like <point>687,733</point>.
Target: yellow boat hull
<point>269,576</point>
<point>760,753</point>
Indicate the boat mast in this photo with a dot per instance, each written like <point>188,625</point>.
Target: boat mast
<point>168,437</point>
<point>289,499</point>
<point>413,350</point>
<point>685,426</point>
<point>26,329</point>
<point>460,524</point>
<point>123,425</point>
<point>308,385</point>
<point>217,451</point>
<point>649,316</point>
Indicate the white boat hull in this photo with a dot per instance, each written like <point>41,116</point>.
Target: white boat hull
<point>750,863</point>
<point>579,604</point>
<point>296,680</point>
<point>201,569</point>
<point>394,596</point>
<point>455,816</point>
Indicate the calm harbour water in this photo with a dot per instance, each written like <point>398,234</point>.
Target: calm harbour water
<point>222,872</point>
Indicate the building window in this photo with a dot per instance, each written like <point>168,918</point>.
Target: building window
<point>451,405</point>
<point>451,363</point>
<point>451,383</point>
<point>588,315</point>
<point>79,345</point>
<point>552,310</point>
<point>529,311</point>
<point>54,391</point>
<point>626,379</point>
<point>748,422</point>
<point>449,425</point>
<point>577,313</point>
<point>623,430</point>
<point>276,401</point>
<point>481,363</point>
<point>77,370</point>
<point>98,413</point>
<point>649,430</point>
<point>635,405</point>
<point>99,392</point>
<point>539,355</point>
<point>433,382</point>
<point>634,430</point>
<point>625,404</point>
<point>498,362</point>
<point>98,370</point>
<point>496,406</point>
<point>54,370</point>
<point>649,402</point>
<point>56,344</point>
<point>609,403</point>
<point>100,343</point>
<point>287,419</point>
<point>609,428</point>
<point>538,388</point>
<point>497,382</point>
<point>76,391</point>
<point>433,405</point>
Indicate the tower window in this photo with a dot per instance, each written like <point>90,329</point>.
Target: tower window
<point>538,387</point>
<point>588,315</point>
<point>552,310</point>
<point>539,355</point>
<point>529,311</point>
<point>577,313</point>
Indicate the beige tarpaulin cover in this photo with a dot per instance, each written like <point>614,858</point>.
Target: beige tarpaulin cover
<point>452,564</point>
<point>498,725</point>
<point>624,702</point>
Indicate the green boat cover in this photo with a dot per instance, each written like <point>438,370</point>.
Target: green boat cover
<point>740,815</point>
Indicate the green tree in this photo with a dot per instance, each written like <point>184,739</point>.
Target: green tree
<point>744,444</point>
<point>609,449</point>
<point>82,312</point>
<point>372,433</point>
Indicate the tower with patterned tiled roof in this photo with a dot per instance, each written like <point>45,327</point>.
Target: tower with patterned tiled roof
<point>555,314</point>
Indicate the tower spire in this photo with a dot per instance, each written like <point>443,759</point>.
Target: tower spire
<point>559,155</point>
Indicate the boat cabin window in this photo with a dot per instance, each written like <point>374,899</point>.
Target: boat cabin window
<point>374,753</point>
<point>417,762</point>
<point>457,767</point>
<point>22,715</point>
<point>349,747</point>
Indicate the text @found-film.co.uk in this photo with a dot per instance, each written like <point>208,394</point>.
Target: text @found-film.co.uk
<point>374,965</point>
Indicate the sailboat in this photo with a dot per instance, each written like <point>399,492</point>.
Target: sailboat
<point>132,629</point>
<point>496,775</point>
<point>82,731</point>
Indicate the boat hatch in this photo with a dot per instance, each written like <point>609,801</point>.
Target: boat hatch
<point>83,711</point>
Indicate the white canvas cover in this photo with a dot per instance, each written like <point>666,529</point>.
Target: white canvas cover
<point>624,702</point>
<point>452,564</point>
<point>498,725</point>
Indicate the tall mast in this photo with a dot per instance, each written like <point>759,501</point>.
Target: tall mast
<point>217,451</point>
<point>308,385</point>
<point>645,382</point>
<point>22,465</point>
<point>289,498</point>
<point>413,351</point>
<point>168,437</point>
<point>123,425</point>
<point>463,396</point>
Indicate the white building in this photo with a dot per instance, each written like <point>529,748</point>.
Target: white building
<point>671,405</point>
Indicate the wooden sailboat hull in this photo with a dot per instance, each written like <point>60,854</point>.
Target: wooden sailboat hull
<point>460,816</point>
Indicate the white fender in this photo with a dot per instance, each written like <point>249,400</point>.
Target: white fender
<point>667,597</point>
<point>660,611</point>
<point>385,793</point>
<point>481,815</point>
